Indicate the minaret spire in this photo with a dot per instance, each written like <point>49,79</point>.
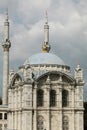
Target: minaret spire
<point>6,45</point>
<point>46,22</point>
<point>46,46</point>
<point>6,26</point>
<point>7,18</point>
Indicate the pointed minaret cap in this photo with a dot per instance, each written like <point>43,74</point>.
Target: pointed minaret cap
<point>46,22</point>
<point>6,15</point>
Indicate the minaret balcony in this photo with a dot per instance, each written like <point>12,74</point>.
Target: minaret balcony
<point>6,44</point>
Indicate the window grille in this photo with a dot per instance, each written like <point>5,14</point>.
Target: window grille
<point>40,95</point>
<point>52,98</point>
<point>65,96</point>
<point>5,116</point>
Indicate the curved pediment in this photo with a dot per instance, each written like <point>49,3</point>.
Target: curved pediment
<point>55,77</point>
<point>15,80</point>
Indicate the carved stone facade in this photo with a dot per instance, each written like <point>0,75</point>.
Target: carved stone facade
<point>46,100</point>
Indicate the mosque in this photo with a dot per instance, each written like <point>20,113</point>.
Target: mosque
<point>43,94</point>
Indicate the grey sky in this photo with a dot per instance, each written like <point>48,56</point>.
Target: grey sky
<point>68,30</point>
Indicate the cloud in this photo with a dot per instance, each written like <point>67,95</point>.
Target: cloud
<point>67,25</point>
<point>68,29</point>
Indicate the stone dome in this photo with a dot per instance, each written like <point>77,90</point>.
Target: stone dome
<point>44,58</point>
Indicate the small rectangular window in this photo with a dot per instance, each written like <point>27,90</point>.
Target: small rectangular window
<point>5,116</point>
<point>0,116</point>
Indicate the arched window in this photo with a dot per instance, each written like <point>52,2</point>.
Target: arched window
<point>40,95</point>
<point>65,96</point>
<point>40,123</point>
<point>52,98</point>
<point>65,123</point>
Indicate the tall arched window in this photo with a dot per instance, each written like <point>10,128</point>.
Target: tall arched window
<point>40,95</point>
<point>52,98</point>
<point>65,96</point>
<point>65,123</point>
<point>40,123</point>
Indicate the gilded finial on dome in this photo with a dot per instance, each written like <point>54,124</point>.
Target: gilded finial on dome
<point>44,48</point>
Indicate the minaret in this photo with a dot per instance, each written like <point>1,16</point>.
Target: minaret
<point>6,45</point>
<point>46,47</point>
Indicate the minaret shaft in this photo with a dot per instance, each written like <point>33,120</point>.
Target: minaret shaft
<point>46,33</point>
<point>5,76</point>
<point>6,45</point>
<point>6,32</point>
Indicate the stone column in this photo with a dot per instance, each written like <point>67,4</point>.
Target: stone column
<point>48,102</point>
<point>60,97</point>
<point>9,98</point>
<point>81,123</point>
<point>72,106</point>
<point>60,119</point>
<point>23,120</point>
<point>9,120</point>
<point>78,123</point>
<point>35,107</point>
<point>31,127</point>
<point>57,98</point>
<point>35,120</point>
<point>12,106</point>
<point>19,98</point>
<point>16,98</point>
<point>72,121</point>
<point>73,97</point>
<point>35,97</point>
<point>47,105</point>
<point>19,121</point>
<point>60,106</point>
<point>16,121</point>
<point>13,121</point>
